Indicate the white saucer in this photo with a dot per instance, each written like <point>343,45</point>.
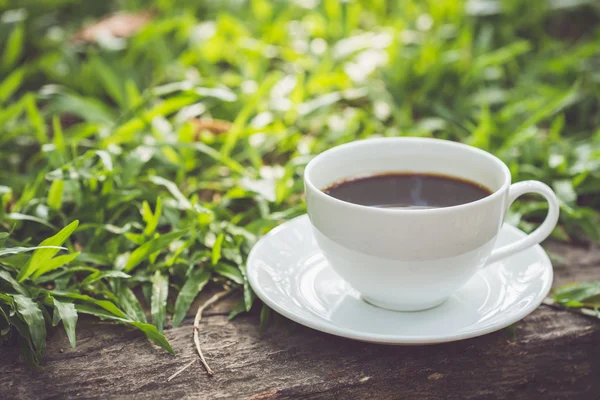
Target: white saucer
<point>289,273</point>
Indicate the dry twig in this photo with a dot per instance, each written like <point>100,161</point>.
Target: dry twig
<point>196,327</point>
<point>212,300</point>
<point>181,370</point>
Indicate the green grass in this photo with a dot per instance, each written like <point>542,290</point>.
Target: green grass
<point>101,133</point>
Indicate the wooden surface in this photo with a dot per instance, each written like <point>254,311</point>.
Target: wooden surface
<point>555,354</point>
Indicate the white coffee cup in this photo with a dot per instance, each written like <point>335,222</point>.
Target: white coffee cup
<point>414,259</point>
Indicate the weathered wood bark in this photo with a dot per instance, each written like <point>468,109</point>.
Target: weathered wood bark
<point>555,354</point>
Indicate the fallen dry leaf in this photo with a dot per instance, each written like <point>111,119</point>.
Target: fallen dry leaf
<point>118,25</point>
<point>216,126</point>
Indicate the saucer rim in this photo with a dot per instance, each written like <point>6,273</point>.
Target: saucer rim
<point>324,326</point>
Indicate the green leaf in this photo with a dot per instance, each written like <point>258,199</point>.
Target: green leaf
<point>42,256</point>
<point>15,285</point>
<point>145,250</point>
<point>68,314</point>
<point>131,305</point>
<point>53,264</point>
<point>511,331</point>
<point>149,330</point>
<point>503,55</point>
<point>549,109</point>
<point>564,191</point>
<point>194,284</point>
<point>64,273</point>
<point>127,131</point>
<point>239,308</point>
<point>229,272</point>
<point>14,47</point>
<point>216,250</point>
<point>109,79</point>
<point>105,304</point>
<point>152,219</point>
<point>184,203</point>
<point>133,94</point>
<point>88,108</point>
<point>136,238</point>
<point>27,350</point>
<point>6,299</point>
<point>223,159</point>
<point>58,136</point>
<point>96,276</point>
<point>11,84</point>
<point>578,294</point>
<point>24,217</point>
<point>6,328</point>
<point>100,313</point>
<point>19,250</point>
<point>243,116</point>
<point>15,262</point>
<point>33,317</point>
<point>153,335</point>
<point>265,317</point>
<point>36,119</point>
<point>219,93</point>
<point>249,295</point>
<point>160,292</point>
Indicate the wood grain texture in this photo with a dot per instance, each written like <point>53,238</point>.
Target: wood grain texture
<point>555,354</point>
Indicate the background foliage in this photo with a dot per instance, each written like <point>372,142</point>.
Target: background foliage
<point>119,133</point>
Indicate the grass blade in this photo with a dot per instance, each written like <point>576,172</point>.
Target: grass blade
<point>33,317</point>
<point>11,84</point>
<point>154,245</point>
<point>249,295</point>
<point>66,313</point>
<point>237,310</point>
<point>245,113</point>
<point>105,304</point>
<point>172,187</point>
<point>153,335</point>
<point>127,131</point>
<point>25,217</point>
<point>578,294</point>
<point>503,55</point>
<point>131,305</point>
<point>14,47</point>
<point>96,276</point>
<point>229,272</point>
<point>110,80</point>
<point>58,135</point>
<point>15,285</point>
<point>36,119</point>
<point>19,250</point>
<point>194,284</point>
<point>54,263</point>
<point>160,292</point>
<point>216,250</point>
<point>55,194</point>
<point>265,317</point>
<point>149,330</point>
<point>152,219</point>
<point>42,256</point>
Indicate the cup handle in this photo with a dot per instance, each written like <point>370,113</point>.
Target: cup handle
<point>542,232</point>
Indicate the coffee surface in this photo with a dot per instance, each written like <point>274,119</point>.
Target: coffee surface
<point>407,190</point>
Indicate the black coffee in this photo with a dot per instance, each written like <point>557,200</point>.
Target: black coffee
<point>408,190</point>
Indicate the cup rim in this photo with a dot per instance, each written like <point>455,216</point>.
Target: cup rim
<point>398,211</point>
